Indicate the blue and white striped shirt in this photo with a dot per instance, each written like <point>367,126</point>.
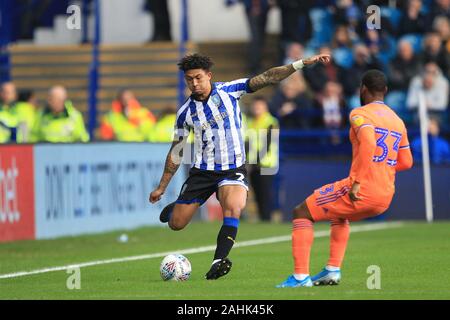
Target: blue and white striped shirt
<point>217,123</point>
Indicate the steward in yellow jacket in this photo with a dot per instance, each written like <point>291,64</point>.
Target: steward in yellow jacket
<point>127,120</point>
<point>59,121</point>
<point>262,154</point>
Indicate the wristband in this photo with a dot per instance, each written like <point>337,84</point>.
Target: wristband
<point>298,64</point>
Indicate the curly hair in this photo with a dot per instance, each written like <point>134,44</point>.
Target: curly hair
<point>195,61</point>
<point>374,80</point>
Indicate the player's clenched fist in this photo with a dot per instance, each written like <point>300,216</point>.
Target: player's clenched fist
<point>155,195</point>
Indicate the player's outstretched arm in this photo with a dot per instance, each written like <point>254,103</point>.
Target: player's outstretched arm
<point>277,74</point>
<point>173,161</point>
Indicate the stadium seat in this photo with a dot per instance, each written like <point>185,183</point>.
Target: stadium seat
<point>343,57</point>
<point>392,14</point>
<point>415,40</point>
<point>322,26</point>
<point>396,100</point>
<point>388,52</point>
<point>353,102</point>
<point>426,6</point>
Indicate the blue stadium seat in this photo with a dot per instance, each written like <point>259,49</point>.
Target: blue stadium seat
<point>388,52</point>
<point>392,14</point>
<point>343,57</point>
<point>415,40</point>
<point>353,102</point>
<point>396,100</point>
<point>322,27</point>
<point>426,6</point>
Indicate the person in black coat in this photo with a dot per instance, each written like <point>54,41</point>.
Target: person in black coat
<point>403,67</point>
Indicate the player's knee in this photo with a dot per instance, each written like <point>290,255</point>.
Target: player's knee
<point>176,224</point>
<point>233,210</point>
<point>301,212</point>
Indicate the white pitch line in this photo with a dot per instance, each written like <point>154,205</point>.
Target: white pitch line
<point>317,234</point>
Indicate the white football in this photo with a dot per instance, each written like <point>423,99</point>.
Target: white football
<point>175,267</point>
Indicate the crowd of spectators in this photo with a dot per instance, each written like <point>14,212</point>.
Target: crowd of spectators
<point>23,120</point>
<point>412,47</point>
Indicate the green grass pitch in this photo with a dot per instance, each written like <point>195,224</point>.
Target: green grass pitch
<point>413,259</point>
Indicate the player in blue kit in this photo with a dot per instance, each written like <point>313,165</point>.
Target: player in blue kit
<point>212,112</point>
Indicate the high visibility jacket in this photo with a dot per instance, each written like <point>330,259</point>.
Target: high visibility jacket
<point>133,125</point>
<point>163,130</point>
<point>262,139</point>
<point>7,120</point>
<point>26,116</point>
<point>67,126</point>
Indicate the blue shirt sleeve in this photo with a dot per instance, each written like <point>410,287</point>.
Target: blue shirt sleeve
<point>236,88</point>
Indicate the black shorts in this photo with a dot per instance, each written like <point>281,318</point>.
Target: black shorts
<point>201,184</point>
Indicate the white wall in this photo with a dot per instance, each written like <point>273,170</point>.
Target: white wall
<point>209,20</point>
<point>125,22</point>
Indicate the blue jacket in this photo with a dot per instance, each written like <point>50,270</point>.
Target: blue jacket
<point>439,150</point>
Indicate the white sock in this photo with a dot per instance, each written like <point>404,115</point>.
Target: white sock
<point>300,276</point>
<point>331,268</point>
<point>215,261</point>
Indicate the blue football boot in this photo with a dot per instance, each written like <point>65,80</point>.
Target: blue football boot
<point>291,282</point>
<point>326,277</point>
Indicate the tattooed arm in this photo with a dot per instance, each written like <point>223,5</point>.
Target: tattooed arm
<point>173,161</point>
<point>277,74</point>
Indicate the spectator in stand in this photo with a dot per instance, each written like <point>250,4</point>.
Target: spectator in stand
<point>294,51</point>
<point>161,20</point>
<point>256,11</point>
<point>31,14</point>
<point>435,88</point>
<point>319,74</point>
<point>441,25</point>
<point>435,52</point>
<point>332,105</point>
<point>347,13</point>
<point>413,21</point>
<point>363,61</point>
<point>25,109</point>
<point>17,111</point>
<point>440,8</point>
<point>403,67</point>
<point>291,105</point>
<point>438,147</point>
<point>341,38</point>
<point>127,120</point>
<point>377,42</point>
<point>262,154</point>
<point>59,121</point>
<point>295,20</point>
<point>8,119</point>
